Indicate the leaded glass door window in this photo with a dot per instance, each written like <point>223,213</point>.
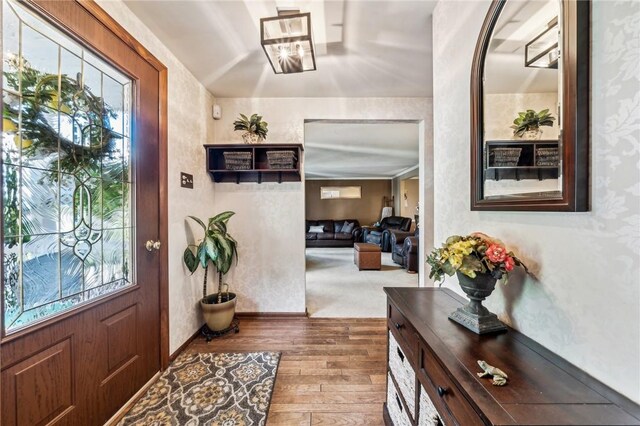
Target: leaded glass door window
<point>67,188</point>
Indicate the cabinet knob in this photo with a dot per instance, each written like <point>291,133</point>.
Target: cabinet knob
<point>442,391</point>
<point>399,326</point>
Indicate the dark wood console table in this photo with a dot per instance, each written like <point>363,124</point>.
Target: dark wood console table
<point>433,364</point>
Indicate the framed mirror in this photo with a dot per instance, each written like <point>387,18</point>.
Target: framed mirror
<point>530,107</point>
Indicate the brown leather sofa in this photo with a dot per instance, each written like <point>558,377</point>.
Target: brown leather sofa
<point>332,235</point>
<point>404,249</point>
<point>380,235</point>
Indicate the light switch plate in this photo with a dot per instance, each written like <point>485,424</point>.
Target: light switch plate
<point>186,180</point>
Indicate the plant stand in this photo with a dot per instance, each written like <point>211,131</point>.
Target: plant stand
<point>210,334</point>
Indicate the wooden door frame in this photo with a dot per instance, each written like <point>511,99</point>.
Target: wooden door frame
<point>114,27</point>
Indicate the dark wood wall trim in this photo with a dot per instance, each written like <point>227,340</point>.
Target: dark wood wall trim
<point>183,346</point>
<point>112,25</point>
<point>271,315</point>
<point>164,223</point>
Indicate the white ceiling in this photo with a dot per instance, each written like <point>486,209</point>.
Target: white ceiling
<point>362,149</point>
<point>519,22</point>
<point>365,48</point>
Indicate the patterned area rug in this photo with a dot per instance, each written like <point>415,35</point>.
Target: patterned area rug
<point>230,389</point>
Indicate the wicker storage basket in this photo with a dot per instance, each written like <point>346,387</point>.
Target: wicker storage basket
<point>237,160</point>
<point>547,157</point>
<point>281,159</point>
<point>505,157</point>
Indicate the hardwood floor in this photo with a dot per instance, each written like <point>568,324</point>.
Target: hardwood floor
<point>332,370</point>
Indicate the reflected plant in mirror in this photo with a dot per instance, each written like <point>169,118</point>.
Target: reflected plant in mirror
<point>528,123</point>
<point>525,67</point>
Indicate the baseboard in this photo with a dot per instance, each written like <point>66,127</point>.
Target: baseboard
<point>129,404</point>
<point>271,314</point>
<point>184,345</point>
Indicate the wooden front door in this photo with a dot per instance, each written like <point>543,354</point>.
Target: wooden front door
<point>82,154</point>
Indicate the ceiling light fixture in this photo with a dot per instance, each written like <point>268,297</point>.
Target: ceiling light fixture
<point>542,51</point>
<point>286,40</point>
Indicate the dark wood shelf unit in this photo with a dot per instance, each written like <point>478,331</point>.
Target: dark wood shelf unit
<point>526,167</point>
<point>259,171</point>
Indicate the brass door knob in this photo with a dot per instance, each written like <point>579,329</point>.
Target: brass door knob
<point>152,245</point>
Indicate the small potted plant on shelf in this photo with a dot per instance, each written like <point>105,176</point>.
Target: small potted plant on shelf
<point>255,130</point>
<point>527,124</point>
<point>479,261</point>
<point>219,249</point>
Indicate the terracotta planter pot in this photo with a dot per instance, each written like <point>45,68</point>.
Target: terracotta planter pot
<point>218,316</point>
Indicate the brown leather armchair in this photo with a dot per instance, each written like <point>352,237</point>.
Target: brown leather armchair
<point>404,249</point>
<point>380,234</point>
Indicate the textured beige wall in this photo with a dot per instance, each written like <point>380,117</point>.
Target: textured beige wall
<point>586,304</point>
<point>500,109</point>
<point>189,126</point>
<point>410,187</point>
<point>271,274</point>
<point>366,209</point>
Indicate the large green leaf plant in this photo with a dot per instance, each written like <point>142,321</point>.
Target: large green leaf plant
<point>216,248</point>
<point>531,120</point>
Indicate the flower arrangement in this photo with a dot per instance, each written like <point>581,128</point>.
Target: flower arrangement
<point>473,254</point>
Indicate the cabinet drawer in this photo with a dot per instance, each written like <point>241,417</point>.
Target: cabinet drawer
<point>395,407</point>
<point>403,373</point>
<point>449,401</point>
<point>405,330</point>
<point>429,415</point>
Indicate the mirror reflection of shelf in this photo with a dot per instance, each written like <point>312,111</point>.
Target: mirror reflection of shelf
<point>515,159</point>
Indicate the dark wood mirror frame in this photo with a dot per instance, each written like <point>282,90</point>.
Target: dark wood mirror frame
<point>575,115</point>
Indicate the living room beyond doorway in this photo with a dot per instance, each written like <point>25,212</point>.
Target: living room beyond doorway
<point>362,217</point>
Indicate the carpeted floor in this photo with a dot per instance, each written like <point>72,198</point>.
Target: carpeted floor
<point>336,289</point>
<point>209,389</point>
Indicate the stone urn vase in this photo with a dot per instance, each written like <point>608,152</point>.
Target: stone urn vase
<point>473,315</point>
<point>218,316</point>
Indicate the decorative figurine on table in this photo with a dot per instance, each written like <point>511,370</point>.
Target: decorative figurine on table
<point>499,376</point>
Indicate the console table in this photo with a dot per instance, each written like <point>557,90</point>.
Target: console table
<point>432,366</point>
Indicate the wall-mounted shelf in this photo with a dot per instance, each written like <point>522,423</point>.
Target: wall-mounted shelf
<point>260,170</point>
<point>532,161</point>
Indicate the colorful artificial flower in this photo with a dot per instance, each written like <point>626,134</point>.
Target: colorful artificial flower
<point>509,264</point>
<point>496,253</point>
<point>471,255</point>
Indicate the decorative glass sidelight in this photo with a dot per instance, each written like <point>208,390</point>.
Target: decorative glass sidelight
<point>67,182</point>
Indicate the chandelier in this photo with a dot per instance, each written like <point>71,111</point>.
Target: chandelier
<point>286,40</point>
<point>542,51</point>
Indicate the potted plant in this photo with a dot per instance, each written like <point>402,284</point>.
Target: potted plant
<point>479,261</point>
<point>528,123</point>
<point>219,249</point>
<point>255,130</point>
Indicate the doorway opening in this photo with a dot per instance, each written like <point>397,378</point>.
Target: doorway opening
<point>362,197</point>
